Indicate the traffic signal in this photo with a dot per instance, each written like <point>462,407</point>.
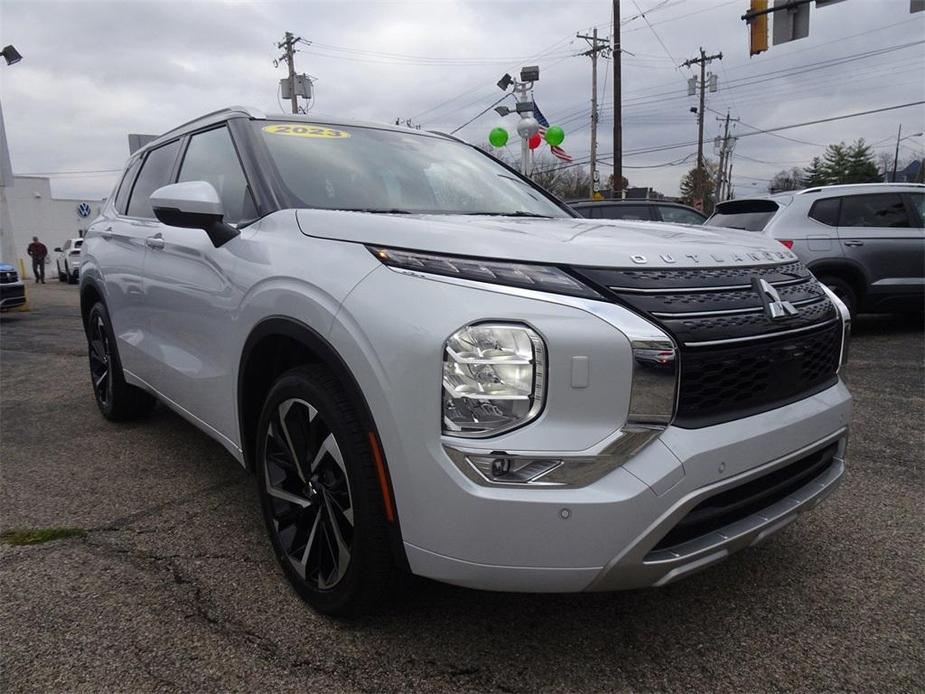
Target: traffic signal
<point>758,27</point>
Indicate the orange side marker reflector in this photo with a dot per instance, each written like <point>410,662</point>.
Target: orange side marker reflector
<point>383,478</point>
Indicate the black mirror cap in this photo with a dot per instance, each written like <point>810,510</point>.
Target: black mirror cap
<point>58,250</point>
<point>218,231</point>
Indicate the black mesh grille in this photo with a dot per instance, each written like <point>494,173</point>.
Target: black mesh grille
<point>7,277</point>
<point>734,360</point>
<point>744,379</point>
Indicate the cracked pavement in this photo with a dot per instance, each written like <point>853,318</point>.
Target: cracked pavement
<point>174,588</point>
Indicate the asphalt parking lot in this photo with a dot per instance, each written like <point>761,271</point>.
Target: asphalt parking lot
<point>173,587</point>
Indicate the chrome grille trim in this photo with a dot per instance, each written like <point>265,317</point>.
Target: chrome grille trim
<point>695,290</point>
<point>765,336</point>
<point>732,311</point>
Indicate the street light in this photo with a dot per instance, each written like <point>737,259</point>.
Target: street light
<point>10,55</point>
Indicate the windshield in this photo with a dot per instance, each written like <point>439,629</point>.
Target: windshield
<point>372,170</point>
<point>750,215</point>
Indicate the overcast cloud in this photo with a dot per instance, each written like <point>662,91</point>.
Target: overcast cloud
<point>94,71</point>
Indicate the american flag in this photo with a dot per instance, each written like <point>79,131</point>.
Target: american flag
<point>557,152</point>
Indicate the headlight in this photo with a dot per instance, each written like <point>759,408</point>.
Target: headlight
<point>494,379</point>
<point>544,278</point>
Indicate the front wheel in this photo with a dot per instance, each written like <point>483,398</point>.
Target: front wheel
<point>319,491</point>
<point>117,400</point>
<point>62,277</point>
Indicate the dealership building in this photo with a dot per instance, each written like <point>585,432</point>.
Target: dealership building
<point>32,210</point>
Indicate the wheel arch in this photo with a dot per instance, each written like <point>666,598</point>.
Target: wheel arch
<point>848,270</point>
<point>90,293</point>
<point>276,344</point>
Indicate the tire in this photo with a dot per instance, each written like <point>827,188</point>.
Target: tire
<point>327,525</point>
<point>62,277</point>
<point>117,400</point>
<point>843,290</point>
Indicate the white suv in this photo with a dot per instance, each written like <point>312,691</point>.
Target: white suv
<point>67,260</point>
<point>432,365</point>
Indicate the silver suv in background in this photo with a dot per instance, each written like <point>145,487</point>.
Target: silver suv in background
<point>866,242</point>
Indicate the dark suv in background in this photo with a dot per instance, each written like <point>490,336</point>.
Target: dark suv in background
<point>641,210</point>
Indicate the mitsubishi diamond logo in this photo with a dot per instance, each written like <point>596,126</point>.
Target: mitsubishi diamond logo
<point>774,308</point>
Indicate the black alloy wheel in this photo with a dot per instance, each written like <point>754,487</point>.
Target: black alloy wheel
<point>321,495</point>
<point>312,507</point>
<point>100,361</point>
<point>117,400</point>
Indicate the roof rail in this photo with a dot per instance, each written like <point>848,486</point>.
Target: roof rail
<point>856,185</point>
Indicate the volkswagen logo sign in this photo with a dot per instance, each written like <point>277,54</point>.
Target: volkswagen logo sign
<point>83,209</point>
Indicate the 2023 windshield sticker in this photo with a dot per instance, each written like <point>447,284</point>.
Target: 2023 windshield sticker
<point>316,131</point>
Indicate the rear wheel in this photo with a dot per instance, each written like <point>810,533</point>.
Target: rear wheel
<point>843,290</point>
<point>319,492</point>
<point>117,400</point>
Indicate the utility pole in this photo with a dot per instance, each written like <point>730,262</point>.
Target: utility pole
<point>896,155</point>
<point>703,61</point>
<point>596,46</point>
<point>288,44</point>
<point>725,160</point>
<point>617,105</point>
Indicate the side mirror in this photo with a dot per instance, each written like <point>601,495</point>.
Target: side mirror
<point>193,205</point>
<point>58,250</point>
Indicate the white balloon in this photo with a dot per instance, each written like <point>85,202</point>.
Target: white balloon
<point>528,127</point>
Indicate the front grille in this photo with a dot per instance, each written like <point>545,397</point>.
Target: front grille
<point>8,277</point>
<point>737,503</point>
<point>734,361</point>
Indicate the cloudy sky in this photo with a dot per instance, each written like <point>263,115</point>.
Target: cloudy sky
<point>94,71</point>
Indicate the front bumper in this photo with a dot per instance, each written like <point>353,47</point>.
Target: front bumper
<point>11,295</point>
<point>606,536</point>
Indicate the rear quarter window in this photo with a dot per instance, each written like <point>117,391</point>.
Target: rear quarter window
<point>825,211</point>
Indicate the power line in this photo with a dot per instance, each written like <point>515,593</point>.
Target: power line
<point>480,114</point>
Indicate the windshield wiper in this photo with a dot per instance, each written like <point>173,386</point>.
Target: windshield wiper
<point>518,213</point>
<point>377,210</point>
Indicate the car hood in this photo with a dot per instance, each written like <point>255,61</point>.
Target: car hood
<point>565,241</point>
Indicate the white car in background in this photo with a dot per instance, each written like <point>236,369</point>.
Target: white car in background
<point>68,260</point>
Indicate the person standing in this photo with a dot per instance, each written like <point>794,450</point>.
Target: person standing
<point>38,252</point>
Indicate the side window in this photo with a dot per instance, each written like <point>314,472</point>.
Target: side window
<point>629,212</point>
<point>121,201</point>
<point>679,215</point>
<point>589,211</point>
<point>918,202</point>
<point>211,157</point>
<point>880,210</point>
<point>155,173</point>
<point>825,211</point>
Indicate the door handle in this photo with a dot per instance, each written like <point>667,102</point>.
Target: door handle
<point>854,243</point>
<point>155,241</point>
<point>106,233</point>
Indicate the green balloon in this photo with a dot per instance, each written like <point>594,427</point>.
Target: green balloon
<point>555,135</point>
<point>498,137</point>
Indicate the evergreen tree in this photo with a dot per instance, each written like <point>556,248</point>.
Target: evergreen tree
<point>861,165</point>
<point>689,187</point>
<point>814,175</point>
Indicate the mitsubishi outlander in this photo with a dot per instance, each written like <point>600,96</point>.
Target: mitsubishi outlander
<point>432,365</point>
